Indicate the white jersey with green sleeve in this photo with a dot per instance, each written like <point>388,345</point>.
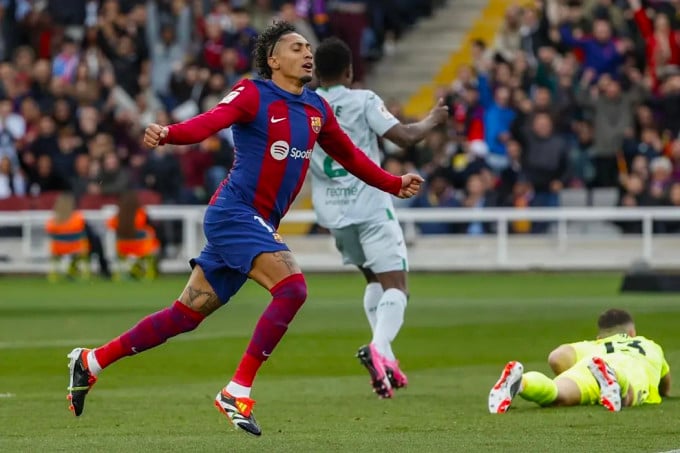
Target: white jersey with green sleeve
<point>341,199</point>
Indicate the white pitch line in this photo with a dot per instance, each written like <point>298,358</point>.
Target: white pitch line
<point>7,395</point>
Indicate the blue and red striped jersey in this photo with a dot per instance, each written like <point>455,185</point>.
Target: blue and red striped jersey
<point>274,135</point>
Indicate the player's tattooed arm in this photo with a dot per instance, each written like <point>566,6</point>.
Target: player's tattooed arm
<point>201,301</point>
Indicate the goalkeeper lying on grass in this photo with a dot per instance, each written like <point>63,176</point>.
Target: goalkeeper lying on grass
<point>619,368</point>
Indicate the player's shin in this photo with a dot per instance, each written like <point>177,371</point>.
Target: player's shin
<point>538,388</point>
<point>390,317</point>
<point>372,295</point>
<point>151,331</point>
<point>287,298</point>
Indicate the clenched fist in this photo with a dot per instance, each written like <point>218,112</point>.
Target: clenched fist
<point>410,185</point>
<point>153,135</point>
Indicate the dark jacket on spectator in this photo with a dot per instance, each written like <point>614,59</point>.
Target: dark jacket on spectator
<point>545,160</point>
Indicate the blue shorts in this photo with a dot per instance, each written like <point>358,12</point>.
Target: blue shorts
<point>236,236</point>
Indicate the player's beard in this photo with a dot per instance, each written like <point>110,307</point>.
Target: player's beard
<point>305,79</point>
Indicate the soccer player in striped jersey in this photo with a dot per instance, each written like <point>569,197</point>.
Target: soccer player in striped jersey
<point>361,218</point>
<point>618,369</point>
<point>276,122</point>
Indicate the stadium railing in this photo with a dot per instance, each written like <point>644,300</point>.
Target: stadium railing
<point>579,238</point>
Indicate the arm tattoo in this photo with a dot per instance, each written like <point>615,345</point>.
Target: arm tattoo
<point>204,302</point>
<point>287,258</point>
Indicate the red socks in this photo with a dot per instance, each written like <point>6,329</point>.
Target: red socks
<point>288,296</point>
<point>151,331</point>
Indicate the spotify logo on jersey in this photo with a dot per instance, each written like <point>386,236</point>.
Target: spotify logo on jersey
<point>279,149</point>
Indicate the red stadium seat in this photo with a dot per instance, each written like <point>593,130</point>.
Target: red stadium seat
<point>15,203</point>
<point>149,197</point>
<point>45,201</point>
<point>90,201</point>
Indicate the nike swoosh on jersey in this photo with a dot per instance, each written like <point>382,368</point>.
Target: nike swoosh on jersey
<point>277,120</point>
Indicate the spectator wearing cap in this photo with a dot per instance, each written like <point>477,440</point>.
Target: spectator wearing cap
<point>661,171</point>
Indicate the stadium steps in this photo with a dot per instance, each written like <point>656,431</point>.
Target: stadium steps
<point>429,55</point>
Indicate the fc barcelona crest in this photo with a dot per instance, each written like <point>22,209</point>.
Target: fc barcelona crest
<point>315,122</point>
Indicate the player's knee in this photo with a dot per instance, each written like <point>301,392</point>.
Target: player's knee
<point>554,362</point>
<point>293,288</point>
<point>560,359</point>
<point>299,290</point>
<point>568,392</point>
<point>393,280</point>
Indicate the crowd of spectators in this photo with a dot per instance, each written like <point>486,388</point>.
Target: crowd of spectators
<point>568,94</point>
<point>571,94</point>
<point>81,79</point>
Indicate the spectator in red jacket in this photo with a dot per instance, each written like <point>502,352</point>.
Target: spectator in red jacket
<point>662,43</point>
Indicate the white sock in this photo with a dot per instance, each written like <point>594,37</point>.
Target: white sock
<point>372,295</point>
<point>390,317</point>
<point>237,390</point>
<point>93,364</point>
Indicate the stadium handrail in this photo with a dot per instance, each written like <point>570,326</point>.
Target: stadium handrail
<point>192,216</point>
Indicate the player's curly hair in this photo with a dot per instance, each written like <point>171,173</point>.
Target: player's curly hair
<point>332,58</point>
<point>264,46</point>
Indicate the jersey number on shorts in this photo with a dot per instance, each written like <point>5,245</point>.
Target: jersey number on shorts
<point>635,344</point>
<point>331,172</point>
<point>263,223</point>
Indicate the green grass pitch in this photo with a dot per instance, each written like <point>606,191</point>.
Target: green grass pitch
<point>312,394</point>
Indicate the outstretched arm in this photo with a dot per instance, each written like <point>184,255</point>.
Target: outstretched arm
<point>338,145</point>
<point>643,22</point>
<point>240,105</point>
<point>406,135</point>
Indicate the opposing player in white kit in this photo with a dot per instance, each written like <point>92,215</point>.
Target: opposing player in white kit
<point>361,218</point>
